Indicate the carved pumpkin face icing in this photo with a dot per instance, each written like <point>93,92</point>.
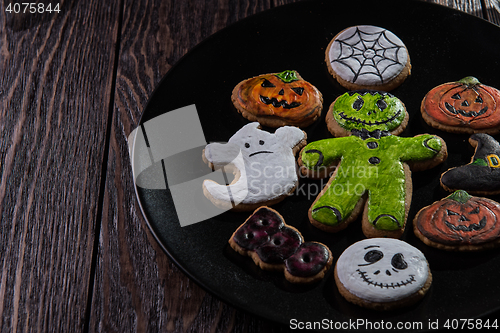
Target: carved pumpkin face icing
<point>466,103</point>
<point>367,109</point>
<point>459,219</point>
<point>284,91</point>
<point>282,95</point>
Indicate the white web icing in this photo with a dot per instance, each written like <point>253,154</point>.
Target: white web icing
<point>381,280</point>
<point>367,55</point>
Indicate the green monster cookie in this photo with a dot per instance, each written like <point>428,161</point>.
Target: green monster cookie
<point>368,109</point>
<point>372,169</point>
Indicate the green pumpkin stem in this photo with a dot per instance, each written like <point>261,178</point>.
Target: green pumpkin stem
<point>288,76</point>
<point>460,196</point>
<point>470,81</point>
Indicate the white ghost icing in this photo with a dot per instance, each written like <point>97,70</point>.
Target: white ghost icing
<point>382,269</point>
<point>266,167</point>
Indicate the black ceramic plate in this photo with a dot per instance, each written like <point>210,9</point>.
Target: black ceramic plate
<point>444,45</point>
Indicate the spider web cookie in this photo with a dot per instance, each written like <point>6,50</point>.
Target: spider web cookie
<point>368,57</point>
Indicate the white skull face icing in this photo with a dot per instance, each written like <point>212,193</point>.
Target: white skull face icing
<point>382,269</point>
<point>266,167</point>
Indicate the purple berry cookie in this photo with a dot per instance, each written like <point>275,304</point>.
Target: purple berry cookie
<point>273,245</point>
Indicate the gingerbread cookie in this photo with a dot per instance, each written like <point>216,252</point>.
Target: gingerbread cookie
<point>370,109</point>
<point>372,171</point>
<point>273,245</point>
<point>368,57</point>
<point>482,175</point>
<point>382,274</point>
<point>459,222</point>
<point>278,99</point>
<point>465,106</point>
<point>263,164</point>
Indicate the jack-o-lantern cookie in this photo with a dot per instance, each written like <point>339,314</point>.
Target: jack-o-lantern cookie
<point>368,57</point>
<point>459,222</point>
<point>370,109</point>
<point>482,175</point>
<point>465,106</point>
<point>278,99</point>
<point>274,245</point>
<point>382,274</point>
<point>263,164</point>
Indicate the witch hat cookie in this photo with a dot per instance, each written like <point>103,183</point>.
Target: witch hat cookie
<point>482,174</point>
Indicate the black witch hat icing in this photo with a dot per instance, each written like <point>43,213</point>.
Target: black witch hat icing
<point>482,174</point>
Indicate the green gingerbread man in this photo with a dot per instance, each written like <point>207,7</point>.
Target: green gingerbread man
<point>372,172</point>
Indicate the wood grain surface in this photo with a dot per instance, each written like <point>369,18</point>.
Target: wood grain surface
<point>55,94</point>
<point>75,252</point>
<point>136,286</point>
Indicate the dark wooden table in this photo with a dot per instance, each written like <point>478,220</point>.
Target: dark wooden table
<point>75,252</point>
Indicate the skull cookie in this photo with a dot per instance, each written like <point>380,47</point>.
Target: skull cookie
<point>265,172</point>
<point>382,274</point>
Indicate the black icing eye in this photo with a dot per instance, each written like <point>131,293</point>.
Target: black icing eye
<point>299,91</point>
<point>475,211</point>
<point>358,104</point>
<point>373,256</point>
<point>267,84</point>
<point>456,96</point>
<point>382,105</point>
<point>450,212</point>
<point>398,261</point>
<point>479,99</point>
<point>247,145</point>
<point>261,142</point>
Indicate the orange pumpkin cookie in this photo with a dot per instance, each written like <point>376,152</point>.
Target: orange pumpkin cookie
<point>278,99</point>
<point>465,106</point>
<point>459,222</point>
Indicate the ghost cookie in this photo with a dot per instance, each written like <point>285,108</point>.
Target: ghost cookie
<point>263,165</point>
<point>368,57</point>
<point>370,109</point>
<point>275,246</point>
<point>482,175</point>
<point>459,222</point>
<point>382,274</point>
<point>278,99</point>
<point>465,106</point>
<point>372,175</point>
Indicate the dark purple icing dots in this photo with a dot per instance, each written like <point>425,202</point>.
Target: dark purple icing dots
<point>280,246</point>
<point>266,235</point>
<point>309,260</point>
<point>265,219</point>
<point>257,229</point>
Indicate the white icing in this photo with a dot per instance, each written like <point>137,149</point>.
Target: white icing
<point>380,281</point>
<point>267,169</point>
<point>367,55</point>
